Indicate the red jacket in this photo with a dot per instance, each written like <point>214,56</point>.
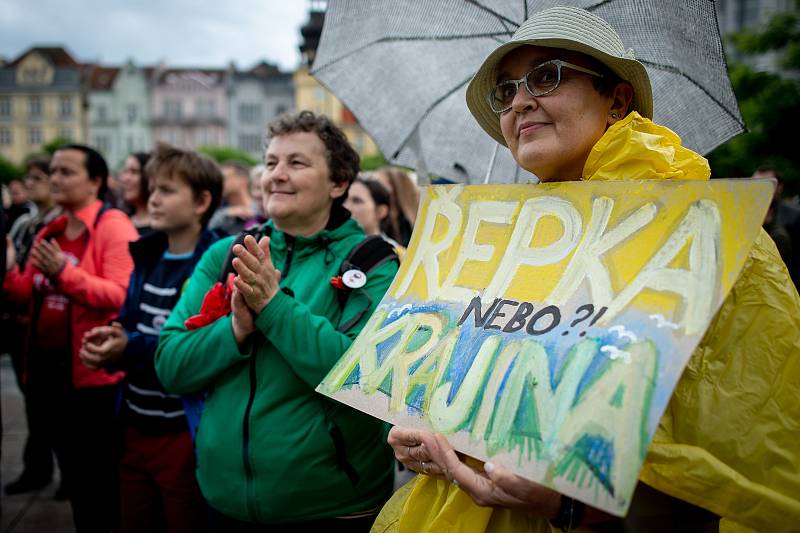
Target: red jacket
<point>95,287</point>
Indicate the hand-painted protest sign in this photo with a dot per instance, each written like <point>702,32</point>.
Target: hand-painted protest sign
<point>544,327</point>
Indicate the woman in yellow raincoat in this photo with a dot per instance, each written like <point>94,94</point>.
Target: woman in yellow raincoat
<point>571,104</point>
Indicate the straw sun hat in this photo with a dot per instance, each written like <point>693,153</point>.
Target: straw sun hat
<point>567,28</point>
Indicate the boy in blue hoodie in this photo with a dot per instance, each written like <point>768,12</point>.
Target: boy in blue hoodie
<point>158,490</point>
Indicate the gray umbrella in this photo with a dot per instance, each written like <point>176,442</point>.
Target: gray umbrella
<point>402,67</point>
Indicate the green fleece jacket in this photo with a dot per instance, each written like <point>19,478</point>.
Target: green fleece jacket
<point>269,448</point>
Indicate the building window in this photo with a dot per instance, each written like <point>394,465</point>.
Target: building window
<point>34,136</point>
<point>34,106</point>
<point>205,108</point>
<point>102,113</point>
<point>172,109</point>
<point>132,112</point>
<point>210,136</point>
<point>65,133</point>
<point>250,113</point>
<point>34,75</point>
<point>250,143</point>
<point>65,107</point>
<point>102,143</point>
<point>5,106</point>
<point>5,136</point>
<point>280,109</point>
<point>747,13</point>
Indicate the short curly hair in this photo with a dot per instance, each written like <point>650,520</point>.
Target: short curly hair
<point>343,160</point>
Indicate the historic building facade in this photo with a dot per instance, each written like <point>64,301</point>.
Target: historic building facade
<point>189,107</point>
<point>119,111</point>
<point>737,15</point>
<point>41,99</point>
<point>255,97</point>
<point>310,94</point>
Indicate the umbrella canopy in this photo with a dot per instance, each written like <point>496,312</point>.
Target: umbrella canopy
<point>402,68</point>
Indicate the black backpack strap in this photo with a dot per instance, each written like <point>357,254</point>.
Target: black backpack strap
<point>341,452</point>
<point>227,265</point>
<point>103,209</point>
<point>369,254</point>
<point>366,256</point>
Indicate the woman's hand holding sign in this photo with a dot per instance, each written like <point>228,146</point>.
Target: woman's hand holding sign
<point>494,486</point>
<point>409,449</point>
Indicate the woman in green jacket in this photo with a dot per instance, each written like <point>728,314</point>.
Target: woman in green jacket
<point>272,453</point>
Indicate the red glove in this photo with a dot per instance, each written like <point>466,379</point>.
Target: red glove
<point>216,303</point>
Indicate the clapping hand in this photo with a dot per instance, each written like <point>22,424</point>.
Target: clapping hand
<point>48,257</point>
<point>257,278</point>
<point>242,320</point>
<point>11,254</point>
<point>103,344</point>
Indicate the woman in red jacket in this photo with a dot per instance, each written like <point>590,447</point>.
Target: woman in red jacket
<point>75,279</point>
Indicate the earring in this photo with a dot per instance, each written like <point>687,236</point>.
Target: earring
<point>614,115</point>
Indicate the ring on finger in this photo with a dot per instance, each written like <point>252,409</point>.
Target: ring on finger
<point>424,466</point>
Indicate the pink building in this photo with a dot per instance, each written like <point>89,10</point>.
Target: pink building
<point>189,107</point>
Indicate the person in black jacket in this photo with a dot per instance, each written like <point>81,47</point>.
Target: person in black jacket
<point>157,483</point>
<point>3,248</point>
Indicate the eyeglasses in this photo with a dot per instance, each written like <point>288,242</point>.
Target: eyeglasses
<point>35,177</point>
<point>540,81</point>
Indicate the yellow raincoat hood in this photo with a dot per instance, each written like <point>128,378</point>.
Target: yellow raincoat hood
<point>729,440</point>
<point>636,148</point>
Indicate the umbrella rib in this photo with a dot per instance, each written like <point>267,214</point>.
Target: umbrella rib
<point>503,20</point>
<point>598,4</point>
<point>674,70</point>
<point>427,111</point>
<point>491,35</point>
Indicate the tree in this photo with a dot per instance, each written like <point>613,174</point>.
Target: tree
<point>9,171</point>
<point>55,144</point>
<point>373,162</point>
<point>770,102</point>
<point>221,154</point>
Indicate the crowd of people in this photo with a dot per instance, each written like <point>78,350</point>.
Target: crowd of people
<point>177,327</point>
<point>96,275</point>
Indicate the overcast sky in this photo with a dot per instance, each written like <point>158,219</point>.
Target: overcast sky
<point>203,33</point>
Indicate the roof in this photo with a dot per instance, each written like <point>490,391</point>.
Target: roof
<point>264,70</point>
<point>102,78</point>
<point>56,55</point>
<point>64,79</point>
<point>201,75</point>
